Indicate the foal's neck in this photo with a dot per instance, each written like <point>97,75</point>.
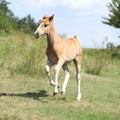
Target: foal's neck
<point>53,37</point>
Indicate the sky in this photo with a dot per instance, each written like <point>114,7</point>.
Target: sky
<point>72,17</point>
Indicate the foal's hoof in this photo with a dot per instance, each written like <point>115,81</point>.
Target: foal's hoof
<point>62,93</point>
<point>78,98</point>
<point>53,84</point>
<point>54,94</point>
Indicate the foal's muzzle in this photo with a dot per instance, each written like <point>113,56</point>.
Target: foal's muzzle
<point>37,35</point>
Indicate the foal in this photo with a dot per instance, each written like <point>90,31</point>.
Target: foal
<point>60,52</point>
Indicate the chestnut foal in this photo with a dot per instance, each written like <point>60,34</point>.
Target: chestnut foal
<point>60,52</point>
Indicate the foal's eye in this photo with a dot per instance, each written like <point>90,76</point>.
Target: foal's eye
<point>45,25</point>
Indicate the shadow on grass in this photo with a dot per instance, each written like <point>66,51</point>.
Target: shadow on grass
<point>33,95</point>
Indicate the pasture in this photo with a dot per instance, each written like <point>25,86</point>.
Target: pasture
<point>25,93</point>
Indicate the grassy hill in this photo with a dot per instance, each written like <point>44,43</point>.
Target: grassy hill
<point>25,93</point>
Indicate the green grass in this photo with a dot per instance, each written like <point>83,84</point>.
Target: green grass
<point>24,97</point>
<point>25,93</point>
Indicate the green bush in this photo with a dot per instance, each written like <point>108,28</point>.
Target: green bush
<point>99,59</point>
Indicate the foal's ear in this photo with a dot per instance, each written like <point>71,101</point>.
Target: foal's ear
<point>51,18</point>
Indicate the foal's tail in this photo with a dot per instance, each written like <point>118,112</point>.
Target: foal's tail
<point>78,39</point>
<point>76,36</point>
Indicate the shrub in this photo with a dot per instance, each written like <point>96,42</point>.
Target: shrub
<point>100,58</point>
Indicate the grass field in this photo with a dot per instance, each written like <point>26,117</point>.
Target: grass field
<point>28,96</point>
<point>24,97</point>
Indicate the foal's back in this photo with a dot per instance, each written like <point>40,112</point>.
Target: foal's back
<point>72,48</point>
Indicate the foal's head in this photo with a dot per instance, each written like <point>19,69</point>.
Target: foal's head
<point>44,26</point>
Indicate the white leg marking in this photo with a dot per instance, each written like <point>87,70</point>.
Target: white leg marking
<point>47,69</point>
<point>57,68</point>
<point>78,77</point>
<point>67,76</point>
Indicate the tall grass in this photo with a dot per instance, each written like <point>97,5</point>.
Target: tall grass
<point>22,54</point>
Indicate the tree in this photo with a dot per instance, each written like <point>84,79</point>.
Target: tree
<point>30,23</point>
<point>4,8</point>
<point>27,24</point>
<point>9,22</point>
<point>114,15</point>
<point>4,15</point>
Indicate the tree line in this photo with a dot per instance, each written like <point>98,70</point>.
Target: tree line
<point>9,22</point>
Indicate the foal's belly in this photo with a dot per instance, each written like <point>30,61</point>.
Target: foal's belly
<point>69,56</point>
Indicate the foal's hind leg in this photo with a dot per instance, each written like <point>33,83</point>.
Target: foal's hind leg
<point>78,77</point>
<point>49,64</point>
<point>67,76</point>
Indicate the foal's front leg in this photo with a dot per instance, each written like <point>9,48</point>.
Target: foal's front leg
<point>57,69</point>
<point>49,64</point>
